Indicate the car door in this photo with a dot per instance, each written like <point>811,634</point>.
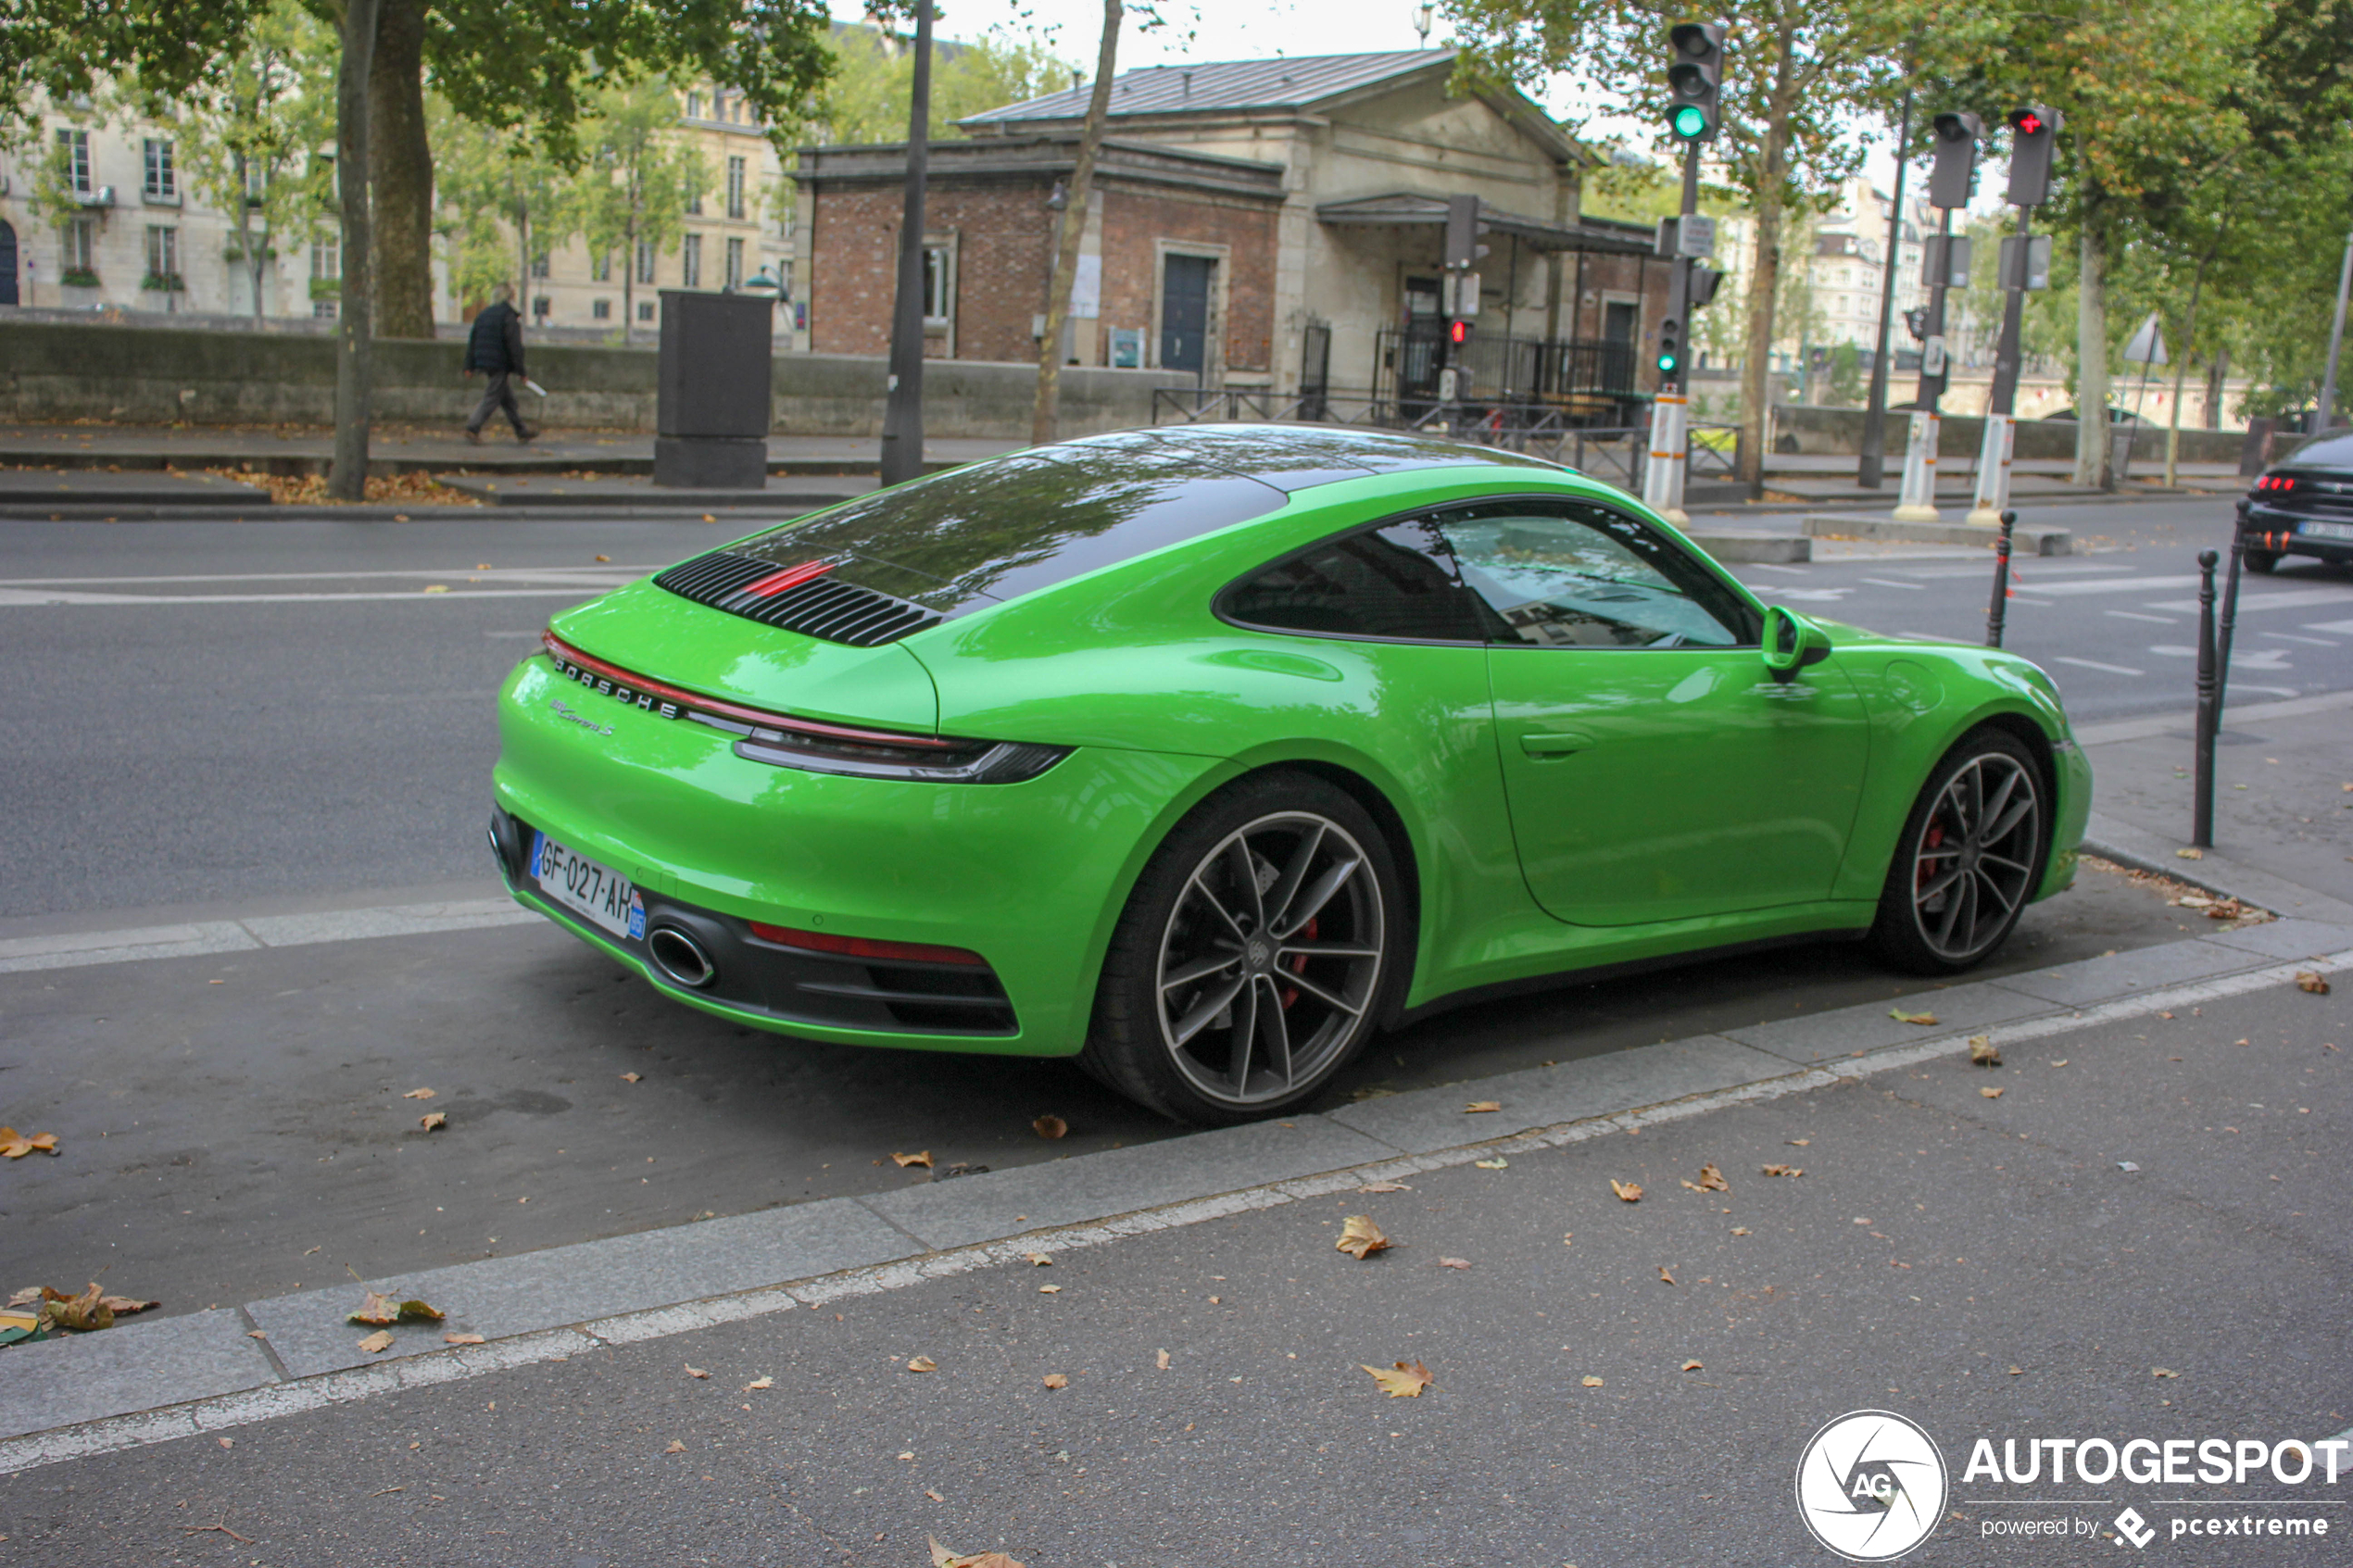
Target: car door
<point>1654,769</point>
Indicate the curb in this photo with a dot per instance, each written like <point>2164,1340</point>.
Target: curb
<point>2138,850</point>
<point>174,1377</point>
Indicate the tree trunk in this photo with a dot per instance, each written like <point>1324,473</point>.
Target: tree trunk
<point>1764,277</point>
<point>2217,369</point>
<point>1047,413</point>
<point>2182,370</point>
<point>629,279</point>
<point>400,169</point>
<point>355,357</point>
<point>2091,357</point>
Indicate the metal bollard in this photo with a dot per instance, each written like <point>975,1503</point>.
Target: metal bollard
<point>2210,708</point>
<point>2230,616</point>
<point>1999,612</point>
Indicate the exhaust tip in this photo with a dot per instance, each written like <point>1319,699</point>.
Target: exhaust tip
<point>680,956</point>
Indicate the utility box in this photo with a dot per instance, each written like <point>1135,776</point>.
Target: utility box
<point>715,398</point>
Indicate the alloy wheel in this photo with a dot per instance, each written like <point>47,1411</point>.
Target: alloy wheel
<point>1974,866</point>
<point>1270,959</point>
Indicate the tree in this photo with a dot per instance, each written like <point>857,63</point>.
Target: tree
<point>1047,409</point>
<point>510,201</point>
<point>640,181</point>
<point>865,97</point>
<point>1795,71</point>
<point>249,132</point>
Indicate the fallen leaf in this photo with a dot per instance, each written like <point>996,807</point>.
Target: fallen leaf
<point>1498,1163</point>
<point>675,1446</point>
<point>418,1094</point>
<point>433,1121</point>
<point>2191,854</point>
<point>2309,980</point>
<point>1991,1094</point>
<point>463,1339</point>
<point>759,1383</point>
<point>2060,1062</point>
<point>1384,1186</point>
<point>1693,1366</point>
<point>1983,1052</point>
<point>16,1146</point>
<point>1050,1290</point>
<point>1477,1106</point>
<point>1056,1380</point>
<point>85,1313</point>
<point>1360,1237</point>
<point>922,1157</point>
<point>1782,1171</point>
<point>696,1371</point>
<point>1590,1382</point>
<point>1043,1259</point>
<point>923,1363</point>
<point>375,1306</point>
<point>1711,1180</point>
<point>226,1442</point>
<point>123,1306</point>
<point>2017,1372</point>
<point>1665,1275</point>
<point>377,1342</point>
<point>1407,1383</point>
<point>943,1558</point>
<point>1160,1359</point>
<point>437,588</point>
<point>2164,1371</point>
<point>1454,1262</point>
<point>1902,1017</point>
<point>1049,1127</point>
<point>632,1077</point>
<point>1797,1143</point>
<point>1740,1230</point>
<point>1629,1192</point>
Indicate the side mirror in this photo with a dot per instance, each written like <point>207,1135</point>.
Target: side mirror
<point>1791,643</point>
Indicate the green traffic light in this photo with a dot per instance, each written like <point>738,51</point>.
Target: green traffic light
<point>1691,122</point>
<point>1667,364</point>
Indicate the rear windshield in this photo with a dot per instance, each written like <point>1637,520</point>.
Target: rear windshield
<point>2333,450</point>
<point>994,531</point>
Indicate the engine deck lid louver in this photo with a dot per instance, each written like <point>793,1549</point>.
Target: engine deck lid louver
<point>810,597</point>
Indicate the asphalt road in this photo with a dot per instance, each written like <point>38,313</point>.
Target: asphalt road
<point>1981,1266</point>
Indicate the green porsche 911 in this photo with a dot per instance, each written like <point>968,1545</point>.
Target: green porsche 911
<point>1204,754</point>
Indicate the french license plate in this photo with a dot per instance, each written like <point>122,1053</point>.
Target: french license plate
<point>587,888</point>
<point>2326,530</point>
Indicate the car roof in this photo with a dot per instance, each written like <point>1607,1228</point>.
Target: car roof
<point>1293,458</point>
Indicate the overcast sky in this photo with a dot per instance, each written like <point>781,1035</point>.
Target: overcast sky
<point>1243,29</point>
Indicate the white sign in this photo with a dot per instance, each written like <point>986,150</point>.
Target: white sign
<point>2148,346</point>
<point>1696,236</point>
<point>1933,356</point>
<point>1462,301</point>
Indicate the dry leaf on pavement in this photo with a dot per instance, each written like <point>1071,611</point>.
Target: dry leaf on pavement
<point>123,1306</point>
<point>1693,1366</point>
<point>676,1447</point>
<point>1498,1163</point>
<point>1384,1186</point>
<point>1056,1380</point>
<point>16,1146</point>
<point>85,1313</point>
<point>1160,1359</point>
<point>943,1558</point>
<point>418,1094</point>
<point>2310,980</point>
<point>433,1121</point>
<point>376,1307</point>
<point>1454,1262</point>
<point>1407,1383</point>
<point>922,1157</point>
<point>1043,1259</point>
<point>1983,1052</point>
<point>2191,854</point>
<point>1590,1382</point>
<point>1477,1106</point>
<point>1050,1290</point>
<point>1631,1192</point>
<point>2164,1371</point>
<point>1902,1017</point>
<point>1781,1170</point>
<point>378,1342</point>
<point>1049,1127</point>
<point>632,1077</point>
<point>696,1371</point>
<point>1360,1237</point>
<point>1991,1094</point>
<point>1711,1180</point>
<point>463,1339</point>
<point>759,1383</point>
<point>923,1363</point>
<point>1664,1274</point>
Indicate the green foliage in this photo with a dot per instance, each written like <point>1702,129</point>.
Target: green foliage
<point>77,278</point>
<point>502,198</point>
<point>640,179</point>
<point>66,50</point>
<point>872,82</point>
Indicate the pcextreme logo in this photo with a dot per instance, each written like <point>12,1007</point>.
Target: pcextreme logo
<point>1871,1486</point>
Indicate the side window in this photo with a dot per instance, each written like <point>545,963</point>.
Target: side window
<point>1570,574</point>
<point>1395,581</point>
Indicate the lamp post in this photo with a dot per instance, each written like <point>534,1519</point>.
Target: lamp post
<point>1425,16</point>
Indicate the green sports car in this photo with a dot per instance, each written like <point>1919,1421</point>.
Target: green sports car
<point>1204,754</point>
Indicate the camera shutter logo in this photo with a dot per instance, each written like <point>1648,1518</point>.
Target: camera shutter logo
<point>1871,1486</point>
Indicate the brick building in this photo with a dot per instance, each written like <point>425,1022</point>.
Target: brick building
<point>1272,225</point>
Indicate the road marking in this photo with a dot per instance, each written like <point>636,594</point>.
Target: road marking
<point>2343,628</point>
<point>2136,615</point>
<point>1890,582</point>
<point>2292,600</point>
<point>1762,565</point>
<point>74,949</point>
<point>1810,595</point>
<point>2096,664</point>
<point>2313,642</point>
<point>2120,585</point>
<point>2260,659</point>
<point>227,1412</point>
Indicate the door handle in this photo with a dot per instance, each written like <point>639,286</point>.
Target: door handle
<point>1557,743</point>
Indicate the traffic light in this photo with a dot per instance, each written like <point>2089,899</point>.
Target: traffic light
<point>2033,129</point>
<point>1462,249</point>
<point>1694,72</point>
<point>1670,349</point>
<point>1458,331</point>
<point>1954,169</point>
<point>1916,322</point>
<point>1703,286</point>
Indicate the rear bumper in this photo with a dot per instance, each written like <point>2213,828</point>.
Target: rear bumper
<point>2284,534</point>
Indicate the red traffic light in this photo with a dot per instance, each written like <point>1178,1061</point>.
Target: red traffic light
<point>1460,331</point>
<point>2028,121</point>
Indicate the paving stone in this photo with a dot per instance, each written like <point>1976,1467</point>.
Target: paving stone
<point>2287,939</point>
<point>133,1366</point>
<point>1874,1026</point>
<point>2124,974</point>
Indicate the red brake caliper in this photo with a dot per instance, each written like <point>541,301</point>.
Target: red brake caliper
<point>1935,839</point>
<point>1299,964</point>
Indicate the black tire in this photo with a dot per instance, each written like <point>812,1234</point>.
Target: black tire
<point>2262,560</point>
<point>1944,909</point>
<point>1224,999</point>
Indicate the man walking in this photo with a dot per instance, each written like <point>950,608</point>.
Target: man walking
<point>494,349</point>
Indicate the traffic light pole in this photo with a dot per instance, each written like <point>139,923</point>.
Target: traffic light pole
<point>2001,432</point>
<point>1670,415</point>
<point>1873,467</point>
<point>1917,502</point>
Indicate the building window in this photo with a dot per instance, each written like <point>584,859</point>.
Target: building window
<point>734,264</point>
<point>73,159</point>
<point>256,180</point>
<point>694,106</point>
<point>601,309</point>
<point>163,179</point>
<point>326,259</point>
<point>645,310</point>
<point>77,242</point>
<point>690,262</point>
<point>539,265</point>
<point>539,307</point>
<point>163,258</point>
<point>939,285</point>
<point>645,262</point>
<point>323,308</point>
<point>735,187</point>
<point>600,269</point>
<point>694,203</point>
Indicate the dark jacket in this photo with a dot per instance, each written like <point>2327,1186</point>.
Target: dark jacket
<point>495,344</point>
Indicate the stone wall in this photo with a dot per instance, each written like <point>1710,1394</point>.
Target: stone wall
<point>1839,433</point>
<point>147,375</point>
